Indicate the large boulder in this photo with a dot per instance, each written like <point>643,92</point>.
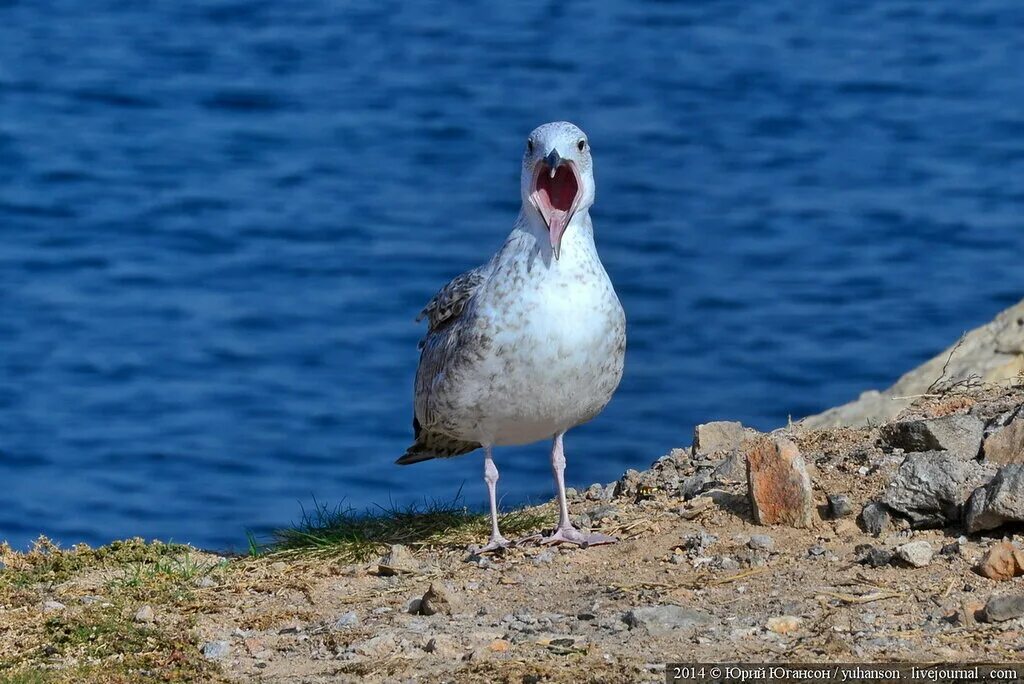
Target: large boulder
<point>960,434</point>
<point>1000,501</point>
<point>930,488</point>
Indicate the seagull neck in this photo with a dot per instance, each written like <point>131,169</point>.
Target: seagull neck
<point>578,237</point>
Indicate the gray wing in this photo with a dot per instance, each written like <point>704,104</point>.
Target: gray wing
<point>449,334</point>
<point>448,304</point>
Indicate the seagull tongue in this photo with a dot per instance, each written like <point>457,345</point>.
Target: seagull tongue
<point>555,195</point>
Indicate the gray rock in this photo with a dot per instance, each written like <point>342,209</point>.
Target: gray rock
<point>931,488</point>
<point>215,650</point>
<point>695,484</point>
<point>205,582</point>
<point>698,543</point>
<point>145,614</point>
<point>1004,607</point>
<point>875,518</point>
<point>663,619</point>
<point>959,434</point>
<point>51,606</point>
<point>720,435</point>
<point>873,556</point>
<point>761,542</point>
<point>732,468</point>
<point>346,620</point>
<point>602,512</point>
<point>918,553</point>
<point>377,647</point>
<point>839,505</point>
<point>628,483</point>
<point>816,551</point>
<point>998,502</point>
<point>398,560</point>
<point>728,563</point>
<point>543,558</point>
<point>436,600</point>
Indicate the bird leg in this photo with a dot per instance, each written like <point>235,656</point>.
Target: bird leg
<point>491,478</point>
<point>565,532</point>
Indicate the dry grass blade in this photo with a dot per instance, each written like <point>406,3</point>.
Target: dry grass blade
<point>862,598</point>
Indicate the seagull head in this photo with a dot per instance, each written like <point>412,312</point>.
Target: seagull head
<point>558,176</point>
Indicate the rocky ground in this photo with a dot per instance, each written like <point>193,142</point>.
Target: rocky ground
<point>897,541</point>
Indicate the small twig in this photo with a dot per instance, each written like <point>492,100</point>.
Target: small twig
<point>949,358</point>
<point>739,576</point>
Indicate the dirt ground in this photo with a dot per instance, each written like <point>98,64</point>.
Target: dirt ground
<point>532,613</point>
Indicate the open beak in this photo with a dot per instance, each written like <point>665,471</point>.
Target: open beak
<point>556,190</point>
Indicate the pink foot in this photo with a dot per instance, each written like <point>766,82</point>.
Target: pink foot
<point>495,544</point>
<point>570,535</point>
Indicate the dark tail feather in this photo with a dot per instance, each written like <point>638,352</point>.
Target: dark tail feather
<point>430,445</point>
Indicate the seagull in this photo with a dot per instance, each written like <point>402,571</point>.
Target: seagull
<point>532,343</point>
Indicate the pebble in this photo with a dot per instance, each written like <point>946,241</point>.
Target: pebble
<point>443,646</point>
<point>665,618</point>
<point>205,582</point>
<point>279,566</point>
<point>345,621</point>
<point>145,614</point>
<point>379,646</point>
<point>784,624</point>
<point>873,556</point>
<point>1004,607</point>
<point>839,505</point>
<point>213,650</point>
<point>918,554</point>
<point>1002,562</point>
<point>816,551</point>
<point>435,600</point>
<point>398,560</point>
<point>698,543</point>
<point>876,518</point>
<point>954,548</point>
<point>543,558</point>
<point>728,563</point>
<point>51,606</point>
<point>761,542</point>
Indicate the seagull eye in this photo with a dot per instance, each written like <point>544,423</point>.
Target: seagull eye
<point>529,145</point>
<point>581,145</point>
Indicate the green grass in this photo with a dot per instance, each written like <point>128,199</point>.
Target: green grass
<point>356,536</point>
<point>162,579</point>
<point>48,564</point>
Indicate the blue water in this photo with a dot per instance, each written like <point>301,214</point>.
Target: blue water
<point>218,221</point>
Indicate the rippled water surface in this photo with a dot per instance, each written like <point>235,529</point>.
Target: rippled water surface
<point>218,221</point>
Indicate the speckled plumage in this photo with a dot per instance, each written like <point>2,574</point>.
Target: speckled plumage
<point>526,346</point>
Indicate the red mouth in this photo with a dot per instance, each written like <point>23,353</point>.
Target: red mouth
<point>555,198</point>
